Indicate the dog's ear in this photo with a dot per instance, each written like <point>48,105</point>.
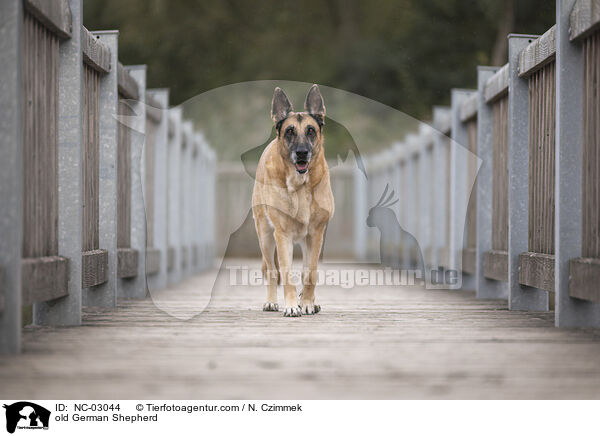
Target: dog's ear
<point>314,104</point>
<point>281,106</point>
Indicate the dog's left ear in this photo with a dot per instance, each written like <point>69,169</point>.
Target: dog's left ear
<point>314,104</point>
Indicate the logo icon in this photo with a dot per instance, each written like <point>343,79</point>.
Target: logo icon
<point>26,415</point>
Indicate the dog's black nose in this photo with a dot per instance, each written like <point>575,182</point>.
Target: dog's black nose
<point>302,155</point>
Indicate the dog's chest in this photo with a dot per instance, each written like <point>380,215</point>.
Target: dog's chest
<point>300,197</point>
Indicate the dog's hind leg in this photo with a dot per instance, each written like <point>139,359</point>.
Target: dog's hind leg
<point>269,269</point>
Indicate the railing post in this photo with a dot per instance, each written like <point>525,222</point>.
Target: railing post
<point>211,205</point>
<point>405,206</point>
<point>195,216</point>
<point>198,197</point>
<point>360,213</point>
<point>370,233</point>
<point>485,288</point>
<point>11,177</point>
<point>174,207</point>
<point>67,310</point>
<point>135,287</point>
<point>441,117</point>
<point>425,195</point>
<point>417,210</point>
<point>570,312</point>
<point>460,188</point>
<point>105,294</point>
<point>202,199</point>
<point>520,297</point>
<point>410,215</point>
<point>389,174</point>
<point>159,280</point>
<point>395,182</point>
<point>187,145</point>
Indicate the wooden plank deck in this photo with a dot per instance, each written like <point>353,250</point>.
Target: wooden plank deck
<point>376,342</point>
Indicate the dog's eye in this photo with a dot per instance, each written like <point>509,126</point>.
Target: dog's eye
<point>290,132</point>
<point>310,132</point>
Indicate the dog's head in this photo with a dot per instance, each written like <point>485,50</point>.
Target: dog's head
<point>299,134</point>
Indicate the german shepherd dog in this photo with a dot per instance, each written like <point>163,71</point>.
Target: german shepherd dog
<point>292,200</point>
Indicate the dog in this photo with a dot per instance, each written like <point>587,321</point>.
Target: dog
<point>292,200</point>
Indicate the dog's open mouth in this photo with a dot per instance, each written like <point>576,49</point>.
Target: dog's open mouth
<point>301,167</point>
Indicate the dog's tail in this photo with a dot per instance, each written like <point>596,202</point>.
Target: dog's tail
<point>265,269</point>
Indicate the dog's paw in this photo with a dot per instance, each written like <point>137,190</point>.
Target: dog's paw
<point>309,308</point>
<point>292,311</point>
<point>270,307</point>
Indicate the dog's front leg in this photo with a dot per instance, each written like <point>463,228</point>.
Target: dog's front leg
<point>285,251</point>
<point>313,250</point>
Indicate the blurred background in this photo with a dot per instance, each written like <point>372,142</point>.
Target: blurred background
<point>406,54</point>
<point>222,59</point>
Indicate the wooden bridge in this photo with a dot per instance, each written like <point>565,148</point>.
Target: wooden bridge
<point>110,195</point>
<point>370,342</point>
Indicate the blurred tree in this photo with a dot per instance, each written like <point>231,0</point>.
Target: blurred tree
<point>500,50</point>
<point>404,53</point>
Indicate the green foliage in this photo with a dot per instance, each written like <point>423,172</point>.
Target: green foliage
<point>404,53</point>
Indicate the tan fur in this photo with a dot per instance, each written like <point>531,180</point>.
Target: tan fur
<point>289,208</point>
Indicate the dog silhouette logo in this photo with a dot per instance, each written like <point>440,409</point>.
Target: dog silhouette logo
<point>26,415</point>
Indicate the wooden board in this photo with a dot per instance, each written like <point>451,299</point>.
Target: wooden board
<point>542,138</point>
<point>497,85</point>
<point>171,127</point>
<point>447,155</point>
<point>124,179</point>
<point>127,261</point>
<point>170,258</point>
<point>500,175</point>
<point>55,15</point>
<point>495,265</point>
<point>445,123</point>
<point>91,160</point>
<point>382,342</point>
<point>194,255</point>
<point>444,257</point>
<point>149,200</point>
<point>590,204</point>
<point>468,260</point>
<point>154,110</point>
<point>184,256</point>
<point>43,279</point>
<point>95,53</point>
<point>585,18</point>
<point>152,261</point>
<point>584,273</point>
<point>468,108</point>
<point>471,218</point>
<point>40,139</point>
<point>127,85</point>
<point>94,268</point>
<point>539,53</point>
<point>537,270</point>
<point>2,287</point>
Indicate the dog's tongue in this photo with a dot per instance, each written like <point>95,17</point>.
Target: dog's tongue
<point>301,166</point>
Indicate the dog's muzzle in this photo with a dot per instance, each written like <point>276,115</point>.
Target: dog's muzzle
<point>301,159</point>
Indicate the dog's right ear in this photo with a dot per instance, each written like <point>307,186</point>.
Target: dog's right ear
<point>280,107</point>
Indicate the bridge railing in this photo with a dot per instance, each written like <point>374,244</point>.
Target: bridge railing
<point>492,182</point>
<point>532,220</point>
<point>88,166</point>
